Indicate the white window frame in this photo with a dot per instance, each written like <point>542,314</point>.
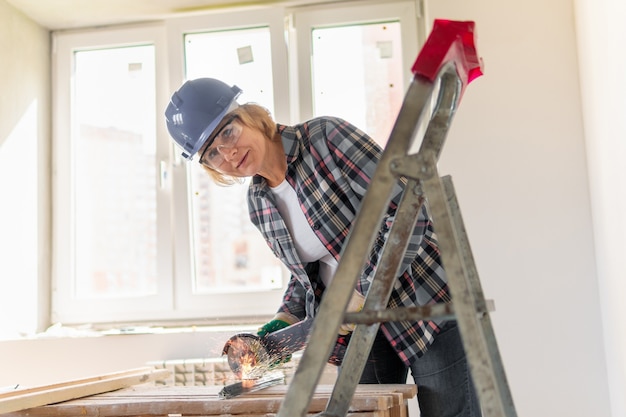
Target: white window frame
<point>304,20</point>
<point>66,308</point>
<point>241,304</point>
<point>290,30</point>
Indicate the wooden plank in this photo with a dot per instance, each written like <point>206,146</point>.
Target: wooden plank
<point>375,401</point>
<point>68,390</point>
<point>209,406</point>
<point>407,390</point>
<point>363,414</point>
<point>399,406</point>
<point>368,401</point>
<point>21,391</point>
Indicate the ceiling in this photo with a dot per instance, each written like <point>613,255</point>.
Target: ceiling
<point>72,14</point>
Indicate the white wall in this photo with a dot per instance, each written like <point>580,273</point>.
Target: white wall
<point>517,156</point>
<point>601,34</point>
<point>45,361</point>
<point>24,170</point>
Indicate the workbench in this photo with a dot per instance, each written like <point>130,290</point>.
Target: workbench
<point>151,400</point>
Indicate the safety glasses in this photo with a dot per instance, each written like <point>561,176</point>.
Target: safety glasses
<point>225,138</point>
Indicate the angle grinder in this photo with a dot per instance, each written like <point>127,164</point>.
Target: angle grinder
<point>250,356</point>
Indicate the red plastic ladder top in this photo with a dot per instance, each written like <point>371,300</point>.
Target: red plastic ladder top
<point>450,40</point>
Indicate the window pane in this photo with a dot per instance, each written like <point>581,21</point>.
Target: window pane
<point>357,75</point>
<point>114,172</point>
<point>229,253</point>
<point>241,57</point>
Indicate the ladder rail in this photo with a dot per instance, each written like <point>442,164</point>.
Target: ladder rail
<point>463,298</point>
<point>376,299</point>
<point>364,230</point>
<point>333,305</point>
<point>432,114</point>
<point>505,405</point>
<point>446,64</point>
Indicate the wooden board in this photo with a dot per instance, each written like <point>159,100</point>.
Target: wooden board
<point>368,401</point>
<point>22,399</point>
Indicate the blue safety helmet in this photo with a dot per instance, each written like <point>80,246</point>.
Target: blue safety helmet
<point>196,109</point>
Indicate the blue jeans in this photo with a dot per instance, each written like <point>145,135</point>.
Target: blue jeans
<point>444,384</point>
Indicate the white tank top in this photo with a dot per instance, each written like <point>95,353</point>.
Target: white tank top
<point>307,243</point>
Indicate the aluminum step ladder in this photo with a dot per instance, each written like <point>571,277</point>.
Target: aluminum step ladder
<point>444,67</point>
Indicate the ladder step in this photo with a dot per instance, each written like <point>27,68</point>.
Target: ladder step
<point>434,311</point>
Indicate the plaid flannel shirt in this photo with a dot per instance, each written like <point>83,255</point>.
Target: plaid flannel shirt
<point>330,165</point>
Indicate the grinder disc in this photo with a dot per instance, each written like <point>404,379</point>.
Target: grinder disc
<point>247,356</point>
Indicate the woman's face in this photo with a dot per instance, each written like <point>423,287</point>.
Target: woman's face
<point>237,150</point>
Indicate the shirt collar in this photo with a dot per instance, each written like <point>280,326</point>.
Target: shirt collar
<point>291,138</point>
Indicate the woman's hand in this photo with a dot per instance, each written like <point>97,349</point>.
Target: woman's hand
<point>354,306</point>
<point>271,327</point>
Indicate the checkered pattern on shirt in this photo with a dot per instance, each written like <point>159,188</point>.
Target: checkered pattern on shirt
<point>330,165</point>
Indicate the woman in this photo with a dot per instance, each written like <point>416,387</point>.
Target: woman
<point>308,182</point>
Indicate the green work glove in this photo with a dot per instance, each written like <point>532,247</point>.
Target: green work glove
<point>271,327</point>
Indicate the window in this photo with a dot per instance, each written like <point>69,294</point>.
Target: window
<point>111,233</point>
<point>360,63</point>
<point>224,269</point>
<point>141,235</point>
<point>114,186</point>
<point>242,57</point>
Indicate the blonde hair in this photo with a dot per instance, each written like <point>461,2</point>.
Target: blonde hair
<point>252,116</point>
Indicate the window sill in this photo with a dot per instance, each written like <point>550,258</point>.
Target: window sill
<point>58,331</point>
